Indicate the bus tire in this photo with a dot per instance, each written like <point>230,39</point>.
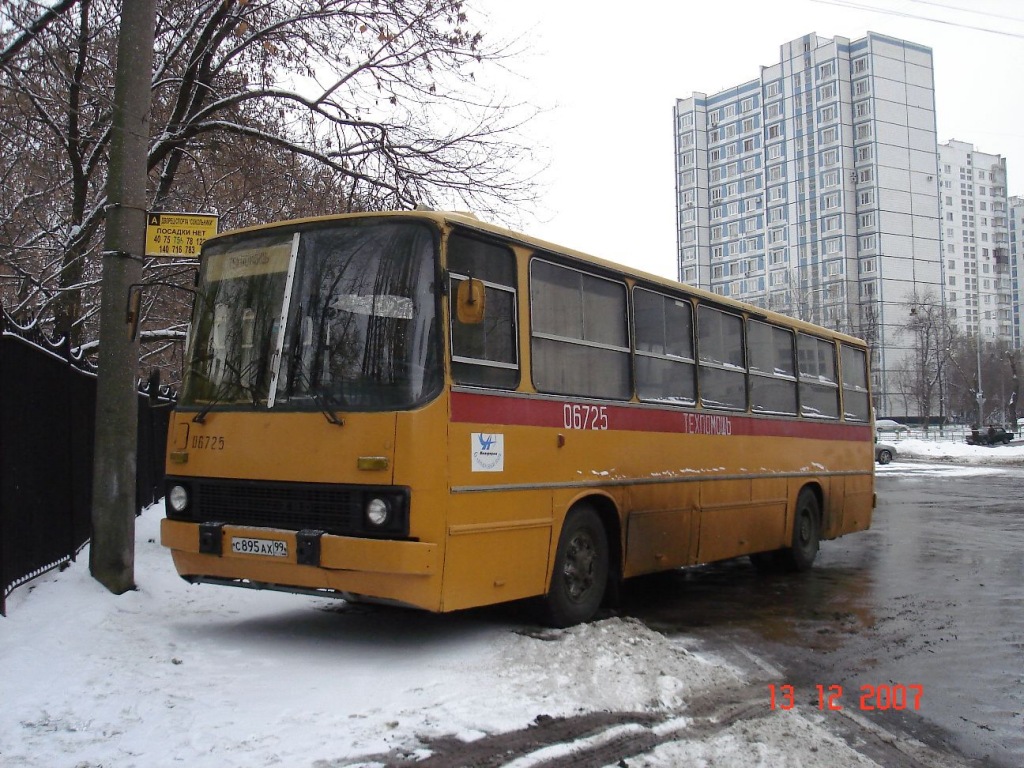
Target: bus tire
<point>806,533</point>
<point>580,575</point>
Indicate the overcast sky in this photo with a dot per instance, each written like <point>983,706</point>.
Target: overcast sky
<point>610,74</point>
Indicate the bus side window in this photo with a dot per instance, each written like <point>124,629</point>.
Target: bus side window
<point>722,371</point>
<point>819,392</point>
<point>485,353</point>
<point>580,338</point>
<point>856,403</point>
<point>663,329</point>
<point>772,378</point>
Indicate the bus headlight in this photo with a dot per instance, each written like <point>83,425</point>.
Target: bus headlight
<point>177,497</point>
<point>378,512</point>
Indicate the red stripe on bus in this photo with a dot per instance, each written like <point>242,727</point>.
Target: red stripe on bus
<point>538,411</point>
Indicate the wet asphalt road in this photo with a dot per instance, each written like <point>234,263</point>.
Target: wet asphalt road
<point>931,596</point>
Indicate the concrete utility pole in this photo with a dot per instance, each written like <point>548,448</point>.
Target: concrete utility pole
<point>112,552</point>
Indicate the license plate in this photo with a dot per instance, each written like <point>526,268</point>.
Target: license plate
<point>267,547</point>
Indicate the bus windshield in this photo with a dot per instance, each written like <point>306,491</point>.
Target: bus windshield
<point>338,317</point>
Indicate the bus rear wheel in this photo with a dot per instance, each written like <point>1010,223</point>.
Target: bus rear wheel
<point>580,575</point>
<point>806,533</point>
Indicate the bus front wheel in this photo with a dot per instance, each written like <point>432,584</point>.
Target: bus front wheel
<point>580,575</point>
<point>806,533</point>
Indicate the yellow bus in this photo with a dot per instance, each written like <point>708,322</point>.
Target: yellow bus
<point>424,409</point>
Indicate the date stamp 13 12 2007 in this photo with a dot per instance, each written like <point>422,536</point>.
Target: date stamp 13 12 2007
<point>868,697</point>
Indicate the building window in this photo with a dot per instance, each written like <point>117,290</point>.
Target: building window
<point>828,114</point>
<point>833,245</point>
<point>749,124</point>
<point>864,131</point>
<point>860,65</point>
<point>775,173</point>
<point>866,197</point>
<point>774,110</point>
<point>829,135</point>
<point>774,151</point>
<point>830,201</point>
<point>865,175</point>
<point>776,235</point>
<point>861,88</point>
<point>749,145</point>
<point>771,89</point>
<point>830,179</point>
<point>862,109</point>
<point>830,157</point>
<point>866,242</point>
<point>863,153</point>
<point>828,69</point>
<point>827,92</point>
<point>866,220</point>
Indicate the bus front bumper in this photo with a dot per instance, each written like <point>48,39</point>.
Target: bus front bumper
<point>405,571</point>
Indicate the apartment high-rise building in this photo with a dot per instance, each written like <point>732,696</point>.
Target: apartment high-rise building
<point>812,190</point>
<point>976,263</point>
<point>1016,217</point>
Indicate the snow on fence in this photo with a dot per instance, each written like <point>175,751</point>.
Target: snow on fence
<point>47,420</point>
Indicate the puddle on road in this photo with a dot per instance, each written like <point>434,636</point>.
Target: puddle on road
<point>930,596</point>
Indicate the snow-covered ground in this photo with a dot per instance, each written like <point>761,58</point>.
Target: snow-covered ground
<point>173,674</point>
<point>958,453</point>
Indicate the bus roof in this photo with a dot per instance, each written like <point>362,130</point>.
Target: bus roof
<point>470,221</point>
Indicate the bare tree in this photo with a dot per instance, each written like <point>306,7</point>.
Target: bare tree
<point>927,332</point>
<point>262,109</point>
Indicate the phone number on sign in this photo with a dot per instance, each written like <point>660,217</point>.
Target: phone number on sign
<point>872,697</point>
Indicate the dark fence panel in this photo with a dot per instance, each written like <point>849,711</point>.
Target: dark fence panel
<point>47,425</point>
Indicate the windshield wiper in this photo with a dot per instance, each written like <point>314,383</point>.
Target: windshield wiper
<point>321,399</point>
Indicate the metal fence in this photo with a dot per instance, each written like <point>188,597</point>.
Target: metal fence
<point>47,423</point>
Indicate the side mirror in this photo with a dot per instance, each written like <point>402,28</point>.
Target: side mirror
<point>471,302</point>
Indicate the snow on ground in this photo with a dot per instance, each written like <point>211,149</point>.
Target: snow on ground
<point>173,674</point>
<point>951,458</point>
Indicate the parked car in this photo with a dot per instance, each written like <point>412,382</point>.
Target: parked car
<point>884,453</point>
<point>888,425</point>
<point>991,435</point>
